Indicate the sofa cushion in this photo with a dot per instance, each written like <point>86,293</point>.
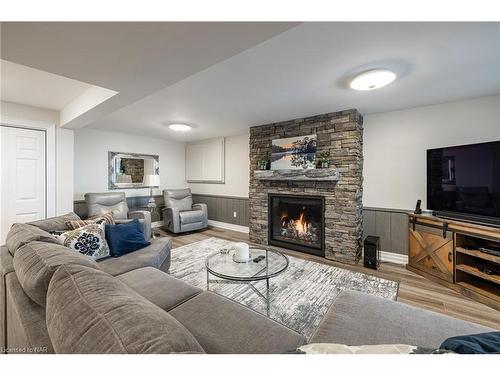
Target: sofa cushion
<point>223,326</point>
<point>55,223</point>
<point>20,234</point>
<point>159,288</point>
<point>90,311</point>
<point>188,217</point>
<point>36,262</point>
<point>151,256</point>
<point>357,318</point>
<point>89,240</point>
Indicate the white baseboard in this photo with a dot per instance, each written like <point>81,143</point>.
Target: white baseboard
<point>236,228</point>
<point>393,257</point>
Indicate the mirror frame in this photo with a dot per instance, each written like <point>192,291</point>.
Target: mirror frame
<point>112,173</point>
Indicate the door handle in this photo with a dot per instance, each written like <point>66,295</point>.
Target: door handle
<point>450,257</point>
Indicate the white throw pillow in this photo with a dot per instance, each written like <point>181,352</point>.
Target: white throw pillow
<point>88,240</point>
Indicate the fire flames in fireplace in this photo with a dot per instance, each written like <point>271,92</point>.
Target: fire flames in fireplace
<point>299,228</point>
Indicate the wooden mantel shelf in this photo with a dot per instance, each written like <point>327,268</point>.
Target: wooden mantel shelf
<point>319,174</point>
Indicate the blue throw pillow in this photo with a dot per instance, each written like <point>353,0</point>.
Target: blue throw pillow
<point>482,343</point>
<point>125,238</point>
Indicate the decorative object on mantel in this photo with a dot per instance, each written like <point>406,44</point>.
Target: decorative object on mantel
<point>320,174</point>
<point>294,153</point>
<point>151,181</point>
<point>128,171</point>
<point>262,163</point>
<point>324,158</point>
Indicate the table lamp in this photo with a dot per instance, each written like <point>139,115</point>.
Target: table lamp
<point>151,181</point>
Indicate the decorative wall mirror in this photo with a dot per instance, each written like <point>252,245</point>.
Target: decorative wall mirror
<point>127,171</point>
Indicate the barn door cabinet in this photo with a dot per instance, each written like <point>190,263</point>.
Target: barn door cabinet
<point>448,252</point>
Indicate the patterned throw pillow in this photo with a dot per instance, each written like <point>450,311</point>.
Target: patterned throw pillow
<point>88,240</point>
<point>107,218</point>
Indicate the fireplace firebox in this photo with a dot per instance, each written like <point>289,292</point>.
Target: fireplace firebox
<point>297,222</point>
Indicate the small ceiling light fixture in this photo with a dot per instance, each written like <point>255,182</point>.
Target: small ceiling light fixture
<point>180,127</point>
<point>372,79</point>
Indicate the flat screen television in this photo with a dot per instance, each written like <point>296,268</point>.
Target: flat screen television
<point>463,182</point>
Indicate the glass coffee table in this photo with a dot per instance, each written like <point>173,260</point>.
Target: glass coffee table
<point>227,271</point>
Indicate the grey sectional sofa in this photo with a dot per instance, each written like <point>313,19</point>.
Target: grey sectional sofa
<point>59,301</point>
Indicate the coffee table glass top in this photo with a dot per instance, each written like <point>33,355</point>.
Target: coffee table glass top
<point>223,265</point>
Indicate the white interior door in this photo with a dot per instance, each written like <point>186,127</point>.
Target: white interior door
<point>23,177</point>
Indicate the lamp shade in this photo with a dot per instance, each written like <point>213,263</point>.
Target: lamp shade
<point>151,180</point>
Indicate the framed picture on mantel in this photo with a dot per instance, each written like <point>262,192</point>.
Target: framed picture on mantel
<point>294,153</point>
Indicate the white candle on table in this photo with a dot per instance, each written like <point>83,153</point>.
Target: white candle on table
<point>242,252</point>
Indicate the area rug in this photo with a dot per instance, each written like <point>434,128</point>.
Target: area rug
<point>300,296</point>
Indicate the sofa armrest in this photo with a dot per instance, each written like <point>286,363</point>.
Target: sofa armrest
<point>171,219</point>
<point>202,207</point>
<point>357,318</point>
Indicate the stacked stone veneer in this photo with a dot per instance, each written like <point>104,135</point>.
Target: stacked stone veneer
<point>342,134</point>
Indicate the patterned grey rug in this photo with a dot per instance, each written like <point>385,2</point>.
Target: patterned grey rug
<point>300,296</point>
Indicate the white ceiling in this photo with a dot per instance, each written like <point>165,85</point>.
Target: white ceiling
<point>225,77</point>
<point>21,84</point>
<point>135,59</point>
<point>305,71</point>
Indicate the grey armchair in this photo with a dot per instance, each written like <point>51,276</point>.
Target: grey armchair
<point>116,202</point>
<point>180,214</point>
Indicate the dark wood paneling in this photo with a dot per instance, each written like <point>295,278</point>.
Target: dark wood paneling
<point>383,229</point>
<point>222,208</point>
<point>368,223</point>
<point>399,233</point>
<point>134,203</point>
<point>390,225</point>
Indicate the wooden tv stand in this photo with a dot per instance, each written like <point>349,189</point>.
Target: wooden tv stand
<point>447,251</point>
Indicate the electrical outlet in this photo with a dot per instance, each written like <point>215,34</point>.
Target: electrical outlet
<point>234,214</point>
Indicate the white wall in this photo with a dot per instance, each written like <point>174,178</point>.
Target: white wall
<point>236,170</point>
<point>395,145</point>
<point>20,114</point>
<point>64,170</point>
<point>91,160</point>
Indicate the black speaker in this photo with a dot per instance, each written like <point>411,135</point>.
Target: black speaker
<point>372,252</point>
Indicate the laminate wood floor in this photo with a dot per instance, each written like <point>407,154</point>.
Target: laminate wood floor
<point>413,289</point>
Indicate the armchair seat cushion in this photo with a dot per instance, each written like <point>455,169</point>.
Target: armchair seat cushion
<point>189,217</point>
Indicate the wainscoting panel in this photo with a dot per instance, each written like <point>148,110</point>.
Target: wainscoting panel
<point>134,203</point>
<point>223,208</point>
<point>390,225</point>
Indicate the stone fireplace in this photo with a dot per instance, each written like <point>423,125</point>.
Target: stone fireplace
<point>311,213</point>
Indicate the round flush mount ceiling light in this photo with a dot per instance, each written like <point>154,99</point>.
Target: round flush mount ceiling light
<point>372,79</point>
<point>180,127</point>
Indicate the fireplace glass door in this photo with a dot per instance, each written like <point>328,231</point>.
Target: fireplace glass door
<point>297,222</point>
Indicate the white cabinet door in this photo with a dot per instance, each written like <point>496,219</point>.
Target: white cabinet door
<point>194,162</point>
<point>22,196</point>
<point>205,161</point>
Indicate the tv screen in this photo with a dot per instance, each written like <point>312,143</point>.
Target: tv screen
<point>464,181</point>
